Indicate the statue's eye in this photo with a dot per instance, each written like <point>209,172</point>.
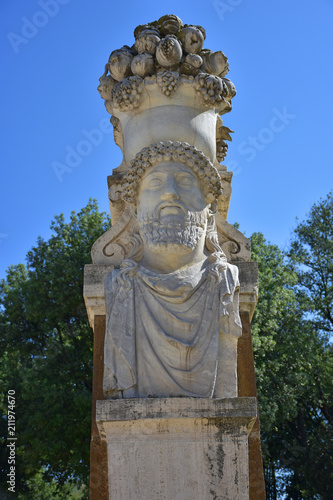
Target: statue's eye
<point>153,182</point>
<point>185,181</point>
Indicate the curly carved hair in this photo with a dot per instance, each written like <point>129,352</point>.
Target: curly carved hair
<point>179,152</point>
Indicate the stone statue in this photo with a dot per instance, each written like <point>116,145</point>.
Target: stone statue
<point>172,307</point>
<point>172,299</point>
<point>171,286</point>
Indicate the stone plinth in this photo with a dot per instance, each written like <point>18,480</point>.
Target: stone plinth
<point>177,448</point>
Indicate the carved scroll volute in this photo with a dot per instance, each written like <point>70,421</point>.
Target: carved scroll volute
<point>234,244</point>
<point>115,244</point>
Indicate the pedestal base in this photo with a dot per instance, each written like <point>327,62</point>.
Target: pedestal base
<point>177,448</point>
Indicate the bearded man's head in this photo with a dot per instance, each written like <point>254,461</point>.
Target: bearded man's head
<point>172,211</point>
<point>172,186</point>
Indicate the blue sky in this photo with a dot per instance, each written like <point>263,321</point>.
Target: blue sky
<point>54,51</point>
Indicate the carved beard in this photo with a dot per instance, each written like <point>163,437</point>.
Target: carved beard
<point>173,233</point>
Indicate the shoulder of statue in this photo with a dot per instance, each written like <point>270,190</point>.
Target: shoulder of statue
<point>229,283</point>
<point>233,272</point>
<point>120,281</point>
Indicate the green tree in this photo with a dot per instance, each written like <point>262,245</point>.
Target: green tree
<point>46,355</point>
<point>293,357</point>
<point>312,253</point>
<point>312,250</point>
<point>39,489</point>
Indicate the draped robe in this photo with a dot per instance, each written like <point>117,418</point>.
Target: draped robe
<point>163,331</point>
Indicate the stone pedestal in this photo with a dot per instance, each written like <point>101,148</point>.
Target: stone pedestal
<point>177,448</point>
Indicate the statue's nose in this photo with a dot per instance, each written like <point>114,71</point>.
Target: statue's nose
<point>170,192</point>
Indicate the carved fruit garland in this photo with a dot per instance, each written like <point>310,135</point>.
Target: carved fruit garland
<point>167,82</point>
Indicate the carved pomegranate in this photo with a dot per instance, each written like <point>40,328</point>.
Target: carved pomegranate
<point>169,52</point>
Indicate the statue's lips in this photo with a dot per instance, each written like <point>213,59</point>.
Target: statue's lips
<point>174,209</point>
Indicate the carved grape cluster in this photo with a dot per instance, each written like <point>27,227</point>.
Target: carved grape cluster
<point>178,152</point>
<point>221,150</point>
<point>210,87</point>
<point>127,93</point>
<point>167,82</point>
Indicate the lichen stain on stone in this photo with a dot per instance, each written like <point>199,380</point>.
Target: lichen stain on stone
<point>236,471</point>
<point>214,497</point>
<point>220,460</point>
<point>215,465</point>
<point>210,466</point>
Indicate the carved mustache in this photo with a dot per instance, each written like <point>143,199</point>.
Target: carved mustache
<point>172,205</point>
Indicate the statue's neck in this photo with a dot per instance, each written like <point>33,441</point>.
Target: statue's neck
<point>168,261</point>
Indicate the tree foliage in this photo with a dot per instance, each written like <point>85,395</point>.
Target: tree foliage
<point>46,355</point>
<point>293,356</point>
<point>312,250</point>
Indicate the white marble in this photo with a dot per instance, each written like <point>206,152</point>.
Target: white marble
<point>172,299</point>
<point>172,315</point>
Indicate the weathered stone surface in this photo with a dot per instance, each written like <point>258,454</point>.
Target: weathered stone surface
<point>136,409</point>
<point>95,275</point>
<point>170,69</point>
<point>172,308</point>
<point>99,489</point>
<point>249,289</point>
<point>247,388</point>
<point>171,266</point>
<point>93,290</point>
<point>177,448</point>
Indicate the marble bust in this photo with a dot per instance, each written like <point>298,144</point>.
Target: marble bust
<point>171,301</point>
<point>172,313</point>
